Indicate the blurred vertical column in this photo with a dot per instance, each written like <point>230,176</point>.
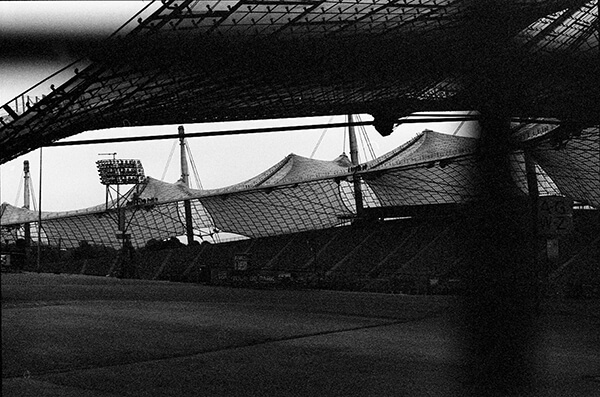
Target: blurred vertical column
<point>499,316</point>
<point>499,336</point>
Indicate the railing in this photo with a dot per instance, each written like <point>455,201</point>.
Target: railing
<point>23,102</point>
<point>17,106</point>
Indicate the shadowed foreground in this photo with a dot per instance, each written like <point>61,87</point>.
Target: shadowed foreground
<point>65,335</point>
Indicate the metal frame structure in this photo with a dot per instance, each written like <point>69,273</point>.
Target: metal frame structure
<point>245,59</point>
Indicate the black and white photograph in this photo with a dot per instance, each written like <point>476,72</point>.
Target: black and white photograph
<point>300,198</point>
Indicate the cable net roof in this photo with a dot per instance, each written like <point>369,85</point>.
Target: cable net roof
<point>218,60</point>
<point>299,194</point>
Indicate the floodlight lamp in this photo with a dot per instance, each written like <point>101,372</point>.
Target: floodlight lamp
<point>120,171</point>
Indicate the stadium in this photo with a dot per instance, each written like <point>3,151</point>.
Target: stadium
<point>467,264</point>
<point>297,217</point>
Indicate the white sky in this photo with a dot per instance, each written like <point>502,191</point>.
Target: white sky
<point>69,176</point>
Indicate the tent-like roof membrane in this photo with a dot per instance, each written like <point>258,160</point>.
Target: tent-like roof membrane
<point>299,194</point>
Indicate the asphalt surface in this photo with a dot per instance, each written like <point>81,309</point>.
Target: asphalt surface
<point>71,335</point>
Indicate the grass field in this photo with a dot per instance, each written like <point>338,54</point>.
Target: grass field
<point>67,335</point>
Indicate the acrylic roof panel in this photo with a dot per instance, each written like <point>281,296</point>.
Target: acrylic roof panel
<point>270,203</point>
<point>432,168</point>
<point>456,182</point>
<point>299,194</point>
<point>429,145</point>
<point>201,61</point>
<point>101,228</point>
<point>571,29</point>
<point>258,213</point>
<point>292,168</point>
<point>546,186</point>
<point>574,165</point>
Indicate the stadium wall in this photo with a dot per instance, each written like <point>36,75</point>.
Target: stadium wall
<point>400,256</point>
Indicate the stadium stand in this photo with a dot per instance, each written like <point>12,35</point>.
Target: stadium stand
<point>402,255</point>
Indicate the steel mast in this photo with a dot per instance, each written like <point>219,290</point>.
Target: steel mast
<point>358,199</point>
<point>185,178</point>
<point>26,199</point>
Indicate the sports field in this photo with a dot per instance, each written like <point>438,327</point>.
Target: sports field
<point>68,335</point>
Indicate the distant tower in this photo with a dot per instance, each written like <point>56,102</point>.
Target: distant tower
<point>189,228</point>
<point>358,198</point>
<point>26,199</point>
<point>185,174</point>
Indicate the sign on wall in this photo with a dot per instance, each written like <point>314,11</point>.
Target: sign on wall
<point>555,215</point>
<point>240,261</point>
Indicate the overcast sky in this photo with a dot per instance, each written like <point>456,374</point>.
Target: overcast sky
<point>38,38</point>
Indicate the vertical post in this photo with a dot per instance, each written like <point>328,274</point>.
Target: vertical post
<point>122,273</point>
<point>120,217</point>
<point>532,187</point>
<point>26,200</point>
<point>39,232</point>
<point>355,161</point>
<point>183,157</point>
<point>499,328</point>
<point>189,228</point>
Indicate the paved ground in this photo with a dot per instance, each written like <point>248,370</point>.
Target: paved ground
<point>66,335</point>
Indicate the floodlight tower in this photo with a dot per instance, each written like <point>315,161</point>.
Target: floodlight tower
<point>117,172</point>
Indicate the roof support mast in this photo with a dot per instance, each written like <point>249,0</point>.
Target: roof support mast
<point>26,199</point>
<point>185,174</point>
<point>185,178</point>
<point>355,162</point>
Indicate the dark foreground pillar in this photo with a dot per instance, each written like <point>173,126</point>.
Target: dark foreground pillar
<point>499,315</point>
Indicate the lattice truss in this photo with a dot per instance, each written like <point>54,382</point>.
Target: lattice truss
<point>571,29</point>
<point>217,60</point>
<point>300,194</point>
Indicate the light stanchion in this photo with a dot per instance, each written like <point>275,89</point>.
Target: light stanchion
<point>117,172</point>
